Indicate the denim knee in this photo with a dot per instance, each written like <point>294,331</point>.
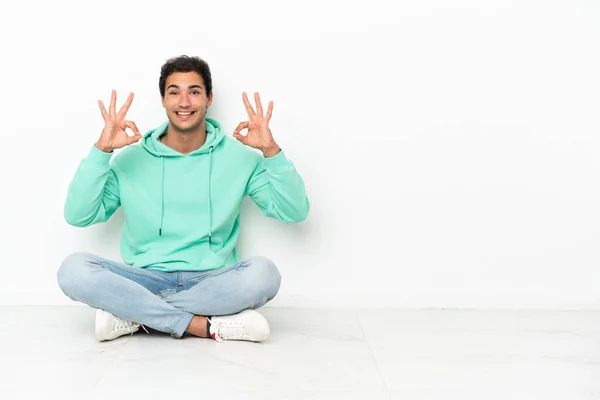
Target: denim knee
<point>266,276</point>
<point>69,273</point>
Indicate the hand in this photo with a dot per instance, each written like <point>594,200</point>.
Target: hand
<point>259,135</point>
<point>113,135</point>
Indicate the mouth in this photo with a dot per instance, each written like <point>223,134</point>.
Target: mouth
<point>184,115</point>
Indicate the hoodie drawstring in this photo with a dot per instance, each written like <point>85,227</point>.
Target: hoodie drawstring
<point>162,197</point>
<point>210,149</point>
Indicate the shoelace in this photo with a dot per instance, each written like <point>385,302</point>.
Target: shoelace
<point>124,325</point>
<point>230,330</point>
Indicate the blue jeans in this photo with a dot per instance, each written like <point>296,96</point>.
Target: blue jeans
<point>167,301</point>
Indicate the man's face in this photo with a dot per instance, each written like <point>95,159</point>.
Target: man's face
<point>185,101</point>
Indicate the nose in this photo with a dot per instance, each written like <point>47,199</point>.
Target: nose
<point>184,100</point>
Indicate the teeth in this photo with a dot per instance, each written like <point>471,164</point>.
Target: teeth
<point>184,113</point>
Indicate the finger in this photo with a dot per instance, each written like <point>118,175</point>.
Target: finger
<point>241,125</point>
<point>249,108</point>
<point>113,103</point>
<point>125,107</point>
<point>131,125</point>
<point>133,139</point>
<point>259,109</point>
<point>103,110</point>
<point>269,111</point>
<point>241,138</point>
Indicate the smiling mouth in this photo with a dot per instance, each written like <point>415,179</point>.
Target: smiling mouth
<point>184,113</point>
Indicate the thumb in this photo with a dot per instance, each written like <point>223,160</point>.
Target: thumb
<point>133,139</point>
<point>240,137</point>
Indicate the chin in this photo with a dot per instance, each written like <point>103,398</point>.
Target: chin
<point>185,129</point>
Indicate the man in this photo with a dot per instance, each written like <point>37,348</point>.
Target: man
<point>181,189</point>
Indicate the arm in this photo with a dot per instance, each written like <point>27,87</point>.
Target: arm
<point>278,190</point>
<point>94,191</point>
<point>275,185</point>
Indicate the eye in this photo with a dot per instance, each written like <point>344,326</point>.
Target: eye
<point>173,93</point>
<point>195,92</point>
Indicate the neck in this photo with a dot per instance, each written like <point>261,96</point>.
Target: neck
<point>184,142</point>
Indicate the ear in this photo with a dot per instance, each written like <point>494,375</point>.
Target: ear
<point>162,100</point>
<point>210,97</point>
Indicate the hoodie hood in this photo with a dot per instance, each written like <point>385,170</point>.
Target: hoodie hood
<point>154,146</point>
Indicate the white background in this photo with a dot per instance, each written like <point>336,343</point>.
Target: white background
<point>449,148</point>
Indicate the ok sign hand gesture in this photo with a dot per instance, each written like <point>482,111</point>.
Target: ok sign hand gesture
<point>113,135</point>
<point>259,135</point>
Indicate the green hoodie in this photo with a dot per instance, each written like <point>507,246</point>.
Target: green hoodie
<point>182,211</point>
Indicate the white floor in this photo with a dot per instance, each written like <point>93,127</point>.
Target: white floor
<point>50,352</point>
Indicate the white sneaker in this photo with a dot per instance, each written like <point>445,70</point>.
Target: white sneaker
<point>109,327</point>
<point>247,325</point>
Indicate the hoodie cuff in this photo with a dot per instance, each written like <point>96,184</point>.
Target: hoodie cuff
<point>98,158</point>
<point>276,162</point>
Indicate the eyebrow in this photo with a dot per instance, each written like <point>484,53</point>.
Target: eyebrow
<point>189,87</point>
